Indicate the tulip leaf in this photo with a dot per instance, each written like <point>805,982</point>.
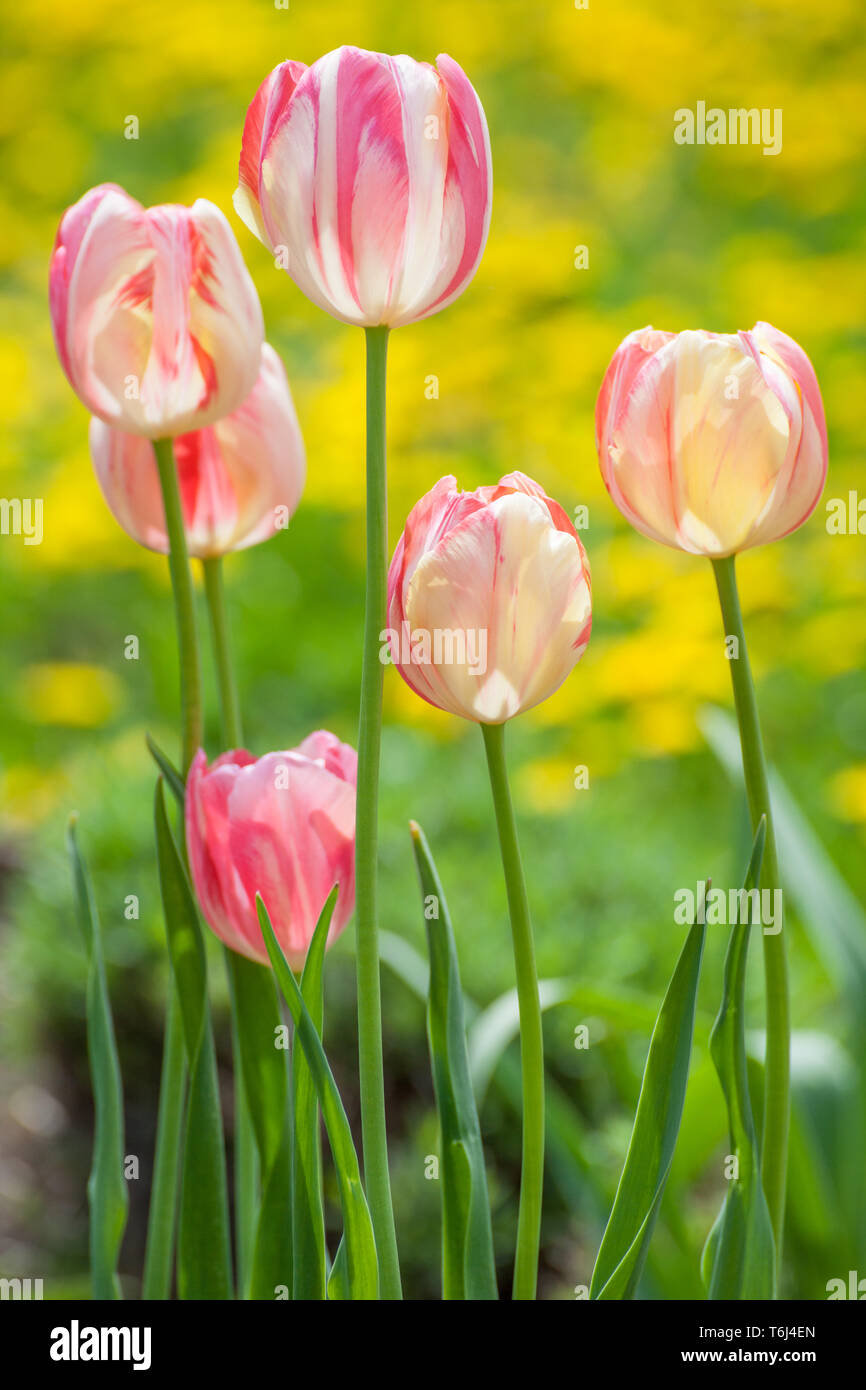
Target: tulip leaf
<point>308,1215</point>
<point>629,1229</point>
<point>264,1075</point>
<point>204,1257</point>
<point>338,1279</point>
<point>168,770</point>
<point>831,914</point>
<point>361,1258</point>
<point>739,1256</point>
<point>468,1264</point>
<point>106,1187</point>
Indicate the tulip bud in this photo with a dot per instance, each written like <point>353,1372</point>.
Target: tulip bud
<point>156,320</point>
<point>489,604</point>
<point>712,442</point>
<point>240,479</point>
<point>282,826</point>
<point>372,176</point>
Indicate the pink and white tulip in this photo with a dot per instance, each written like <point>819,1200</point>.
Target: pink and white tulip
<point>372,173</point>
<point>240,479</point>
<point>489,599</point>
<point>282,826</point>
<point>712,442</point>
<point>156,320</point>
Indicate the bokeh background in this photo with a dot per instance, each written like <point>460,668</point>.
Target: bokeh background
<point>580,104</point>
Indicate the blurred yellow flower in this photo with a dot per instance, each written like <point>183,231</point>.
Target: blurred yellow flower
<point>69,693</point>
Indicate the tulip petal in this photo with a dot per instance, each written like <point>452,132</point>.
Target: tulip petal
<point>508,578</point>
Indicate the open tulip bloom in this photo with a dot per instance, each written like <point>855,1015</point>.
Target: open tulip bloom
<point>713,443</point>
<point>502,574</point>
<point>240,479</point>
<point>281,826</point>
<point>369,178</point>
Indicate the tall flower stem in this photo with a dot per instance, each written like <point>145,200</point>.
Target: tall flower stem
<point>774,1143</point>
<point>531,1036</point>
<point>246,1176</point>
<point>230,710</point>
<point>162,1216</point>
<point>184,604</point>
<point>370,1070</point>
<point>169,1130</point>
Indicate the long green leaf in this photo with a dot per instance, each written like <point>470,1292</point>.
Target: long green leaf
<point>162,1213</point>
<point>363,1271</point>
<point>739,1256</point>
<point>308,1216</point>
<point>168,770</point>
<point>106,1187</point>
<point>659,1110</point>
<point>831,914</point>
<point>204,1255</point>
<point>468,1264</point>
<point>265,1086</point>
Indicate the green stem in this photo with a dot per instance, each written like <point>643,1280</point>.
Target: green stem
<point>166,1166</point>
<point>370,1070</point>
<point>184,603</point>
<point>230,712</point>
<point>531,1036</point>
<point>166,1174</point>
<point>246,1158</point>
<point>774,1143</point>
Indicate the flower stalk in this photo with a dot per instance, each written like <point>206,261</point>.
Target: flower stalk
<point>774,1143</point>
<point>531,1035</point>
<point>371,1068</point>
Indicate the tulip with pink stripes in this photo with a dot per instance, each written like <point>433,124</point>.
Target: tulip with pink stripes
<point>282,826</point>
<point>712,442</point>
<point>370,175</point>
<point>240,479</point>
<point>504,567</point>
<point>156,320</point>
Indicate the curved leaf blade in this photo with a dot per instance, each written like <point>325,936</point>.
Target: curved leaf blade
<point>264,1076</point>
<point>361,1258</point>
<point>308,1215</point>
<point>739,1260</point>
<point>626,1239</point>
<point>468,1264</point>
<point>204,1252</point>
<point>106,1187</point>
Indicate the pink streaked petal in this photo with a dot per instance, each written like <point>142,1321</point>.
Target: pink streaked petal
<point>338,758</point>
<point>372,178</point>
<point>469,187</point>
<point>70,234</point>
<point>207,837</point>
<point>106,341</point>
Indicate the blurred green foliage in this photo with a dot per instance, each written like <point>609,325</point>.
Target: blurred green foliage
<point>580,105</point>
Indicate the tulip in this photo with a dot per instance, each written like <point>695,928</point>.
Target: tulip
<point>282,826</point>
<point>240,479</point>
<point>712,442</point>
<point>156,320</point>
<point>489,599</point>
<point>372,173</point>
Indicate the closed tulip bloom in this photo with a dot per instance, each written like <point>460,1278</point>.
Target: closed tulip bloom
<point>240,479</point>
<point>157,323</point>
<point>282,826</point>
<point>373,174</point>
<point>489,603</point>
<point>712,442</point>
